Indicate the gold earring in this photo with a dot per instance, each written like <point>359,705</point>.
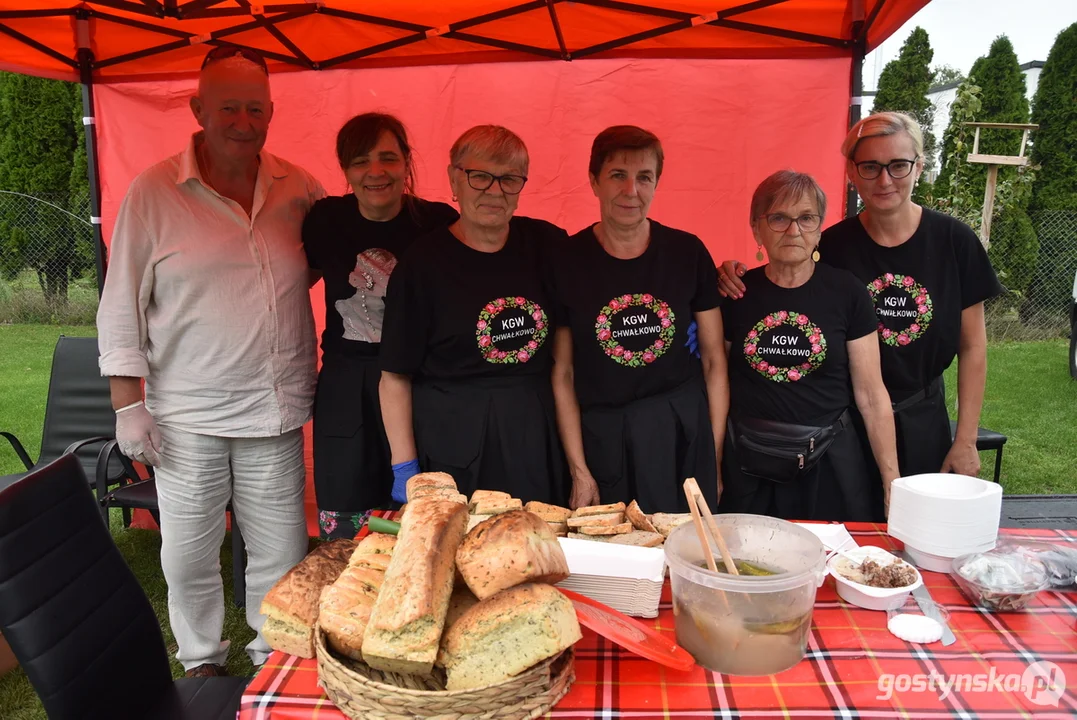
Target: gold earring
<point>759,254</point>
<point>815,254</point>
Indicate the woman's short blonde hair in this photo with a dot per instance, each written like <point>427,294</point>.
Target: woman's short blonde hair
<point>494,143</point>
<point>880,125</point>
<point>786,186</point>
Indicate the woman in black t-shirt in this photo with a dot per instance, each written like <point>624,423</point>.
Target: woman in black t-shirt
<point>638,412</point>
<point>353,242</point>
<point>802,352</point>
<point>465,353</point>
<point>928,276</point>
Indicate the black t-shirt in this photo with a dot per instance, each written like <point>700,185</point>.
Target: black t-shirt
<point>919,289</point>
<point>356,257</point>
<point>630,318</point>
<point>788,360</point>
<point>453,312</point>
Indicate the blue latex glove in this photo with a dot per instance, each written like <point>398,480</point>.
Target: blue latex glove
<point>402,472</point>
<point>693,343</point>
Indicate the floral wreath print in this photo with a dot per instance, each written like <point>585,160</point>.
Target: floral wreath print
<point>785,374</point>
<point>486,321</point>
<point>924,308</point>
<point>635,358</point>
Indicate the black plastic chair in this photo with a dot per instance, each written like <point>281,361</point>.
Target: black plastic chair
<point>76,618</point>
<point>79,419</point>
<point>986,440</point>
<point>78,413</point>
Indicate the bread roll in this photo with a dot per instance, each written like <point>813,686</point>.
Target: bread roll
<point>510,549</point>
<point>405,626</point>
<point>291,605</point>
<point>506,634</point>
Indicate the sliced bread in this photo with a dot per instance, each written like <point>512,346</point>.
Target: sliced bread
<point>638,518</point>
<point>615,518</point>
<point>618,507</point>
<point>666,522</point>
<point>495,506</point>
<point>549,513</point>
<point>607,529</point>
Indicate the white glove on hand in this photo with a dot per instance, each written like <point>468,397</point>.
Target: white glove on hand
<point>137,434</point>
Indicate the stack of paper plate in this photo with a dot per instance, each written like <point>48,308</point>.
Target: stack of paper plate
<point>940,516</point>
<point>625,577</point>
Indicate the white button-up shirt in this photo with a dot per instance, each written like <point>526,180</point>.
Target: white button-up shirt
<point>211,306</point>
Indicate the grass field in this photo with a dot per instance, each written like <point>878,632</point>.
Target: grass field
<point>1030,398</point>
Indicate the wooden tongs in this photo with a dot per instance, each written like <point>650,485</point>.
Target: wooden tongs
<point>701,516</point>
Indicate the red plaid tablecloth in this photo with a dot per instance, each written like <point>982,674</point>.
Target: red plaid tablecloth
<point>854,667</point>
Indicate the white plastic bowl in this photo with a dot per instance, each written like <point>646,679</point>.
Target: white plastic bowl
<point>865,596</point>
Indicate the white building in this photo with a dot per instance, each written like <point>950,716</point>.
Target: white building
<point>942,97</point>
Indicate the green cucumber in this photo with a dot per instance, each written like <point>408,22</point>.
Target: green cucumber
<point>378,524</point>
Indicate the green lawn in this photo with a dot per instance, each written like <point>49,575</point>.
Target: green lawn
<point>25,360</point>
<point>1030,398</point>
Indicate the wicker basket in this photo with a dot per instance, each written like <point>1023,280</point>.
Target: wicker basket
<point>360,691</point>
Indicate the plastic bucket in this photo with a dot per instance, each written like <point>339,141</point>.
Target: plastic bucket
<point>742,624</point>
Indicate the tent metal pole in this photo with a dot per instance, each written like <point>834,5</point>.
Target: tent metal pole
<point>89,120</point>
<point>856,100</point>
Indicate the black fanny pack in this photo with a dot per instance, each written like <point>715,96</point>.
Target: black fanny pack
<point>781,452</point>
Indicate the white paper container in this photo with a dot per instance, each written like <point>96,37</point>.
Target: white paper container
<point>628,578</point>
<point>865,596</point>
<point>944,515</point>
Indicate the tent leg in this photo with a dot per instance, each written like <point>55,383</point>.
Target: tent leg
<point>89,118</point>
<point>856,100</point>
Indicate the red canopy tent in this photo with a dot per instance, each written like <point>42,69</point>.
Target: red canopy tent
<point>735,89</point>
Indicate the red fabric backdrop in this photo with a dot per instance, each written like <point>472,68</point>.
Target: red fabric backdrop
<point>724,125</point>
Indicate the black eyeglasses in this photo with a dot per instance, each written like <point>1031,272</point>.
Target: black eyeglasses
<point>222,52</point>
<point>870,169</point>
<point>780,222</point>
<point>482,180</point>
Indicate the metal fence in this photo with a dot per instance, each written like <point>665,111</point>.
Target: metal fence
<point>47,267</point>
<point>1036,259</point>
<point>47,270</point>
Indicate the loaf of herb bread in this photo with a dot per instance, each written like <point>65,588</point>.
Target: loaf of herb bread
<point>405,625</point>
<point>506,634</point>
<point>510,549</point>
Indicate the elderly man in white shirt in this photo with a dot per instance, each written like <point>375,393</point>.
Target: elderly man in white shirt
<point>207,299</point>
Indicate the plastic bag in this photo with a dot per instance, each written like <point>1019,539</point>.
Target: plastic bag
<point>1060,561</point>
<point>1004,579</point>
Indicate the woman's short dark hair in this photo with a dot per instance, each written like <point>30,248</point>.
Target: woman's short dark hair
<point>360,134</point>
<point>624,138</point>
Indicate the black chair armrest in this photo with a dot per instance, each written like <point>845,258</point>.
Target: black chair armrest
<point>102,479</point>
<point>19,450</point>
<point>78,445</point>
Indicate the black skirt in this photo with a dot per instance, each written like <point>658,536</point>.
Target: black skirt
<point>645,450</point>
<point>352,468</point>
<point>496,434</point>
<point>922,425</point>
<point>842,486</point>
